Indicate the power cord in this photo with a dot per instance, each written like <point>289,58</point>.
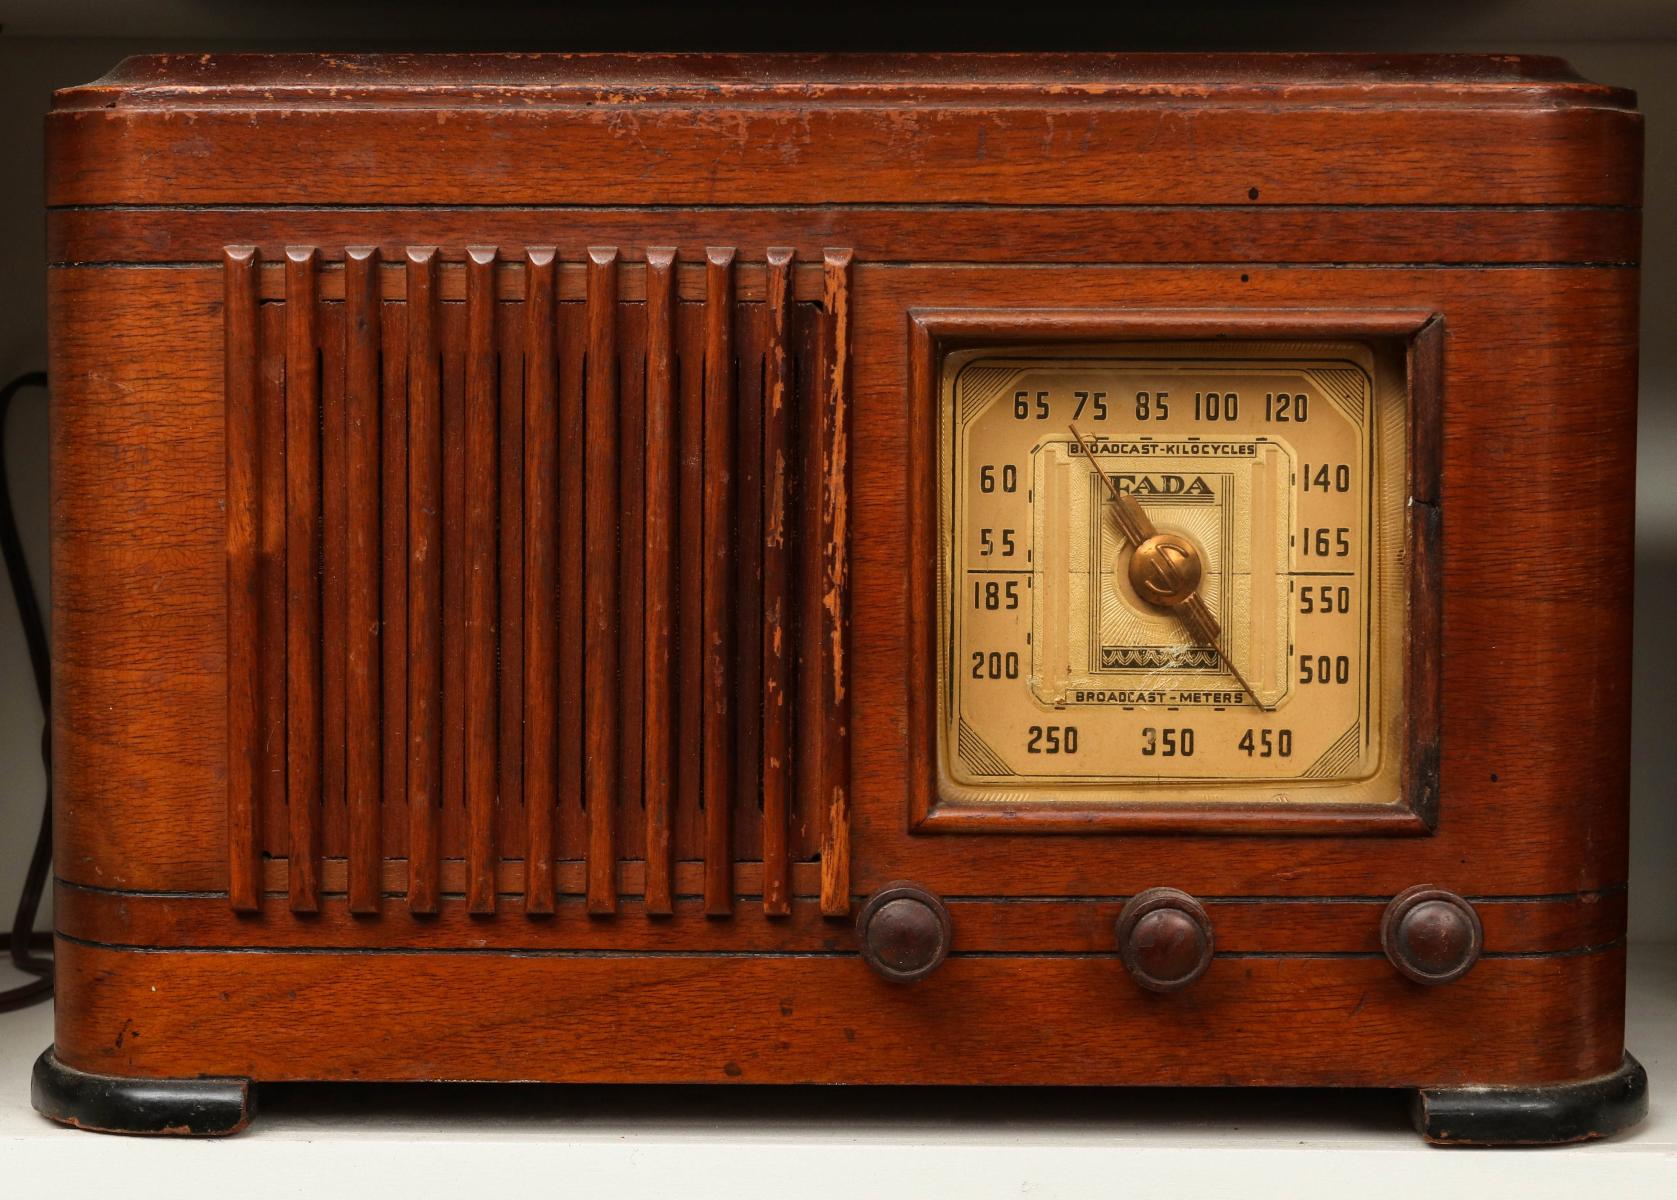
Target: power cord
<point>20,942</point>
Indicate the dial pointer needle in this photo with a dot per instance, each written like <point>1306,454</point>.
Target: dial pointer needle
<point>1137,528</point>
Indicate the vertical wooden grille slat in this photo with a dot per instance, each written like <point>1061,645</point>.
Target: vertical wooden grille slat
<point>808,735</point>
<point>631,563</point>
<point>362,568</point>
<point>510,820</point>
<point>393,603</point>
<point>274,822</point>
<point>244,576</point>
<point>425,591</point>
<point>481,496</point>
<point>662,472</point>
<point>541,575</point>
<point>746,586</point>
<point>716,726</point>
<point>452,822</point>
<point>776,632</point>
<point>571,836</point>
<point>600,573</point>
<point>520,566</point>
<point>687,820</point>
<point>302,578</point>
<point>332,831</point>
<point>833,413</point>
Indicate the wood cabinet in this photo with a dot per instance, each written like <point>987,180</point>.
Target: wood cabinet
<point>495,559</point>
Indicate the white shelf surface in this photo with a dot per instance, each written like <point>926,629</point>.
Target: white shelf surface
<point>370,1141</point>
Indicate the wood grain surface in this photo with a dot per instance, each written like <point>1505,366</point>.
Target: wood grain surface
<point>827,1018</point>
<point>1311,925</point>
<point>1423,152</point>
<point>1230,234</point>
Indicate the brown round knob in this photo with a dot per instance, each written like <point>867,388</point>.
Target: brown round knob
<point>1432,936</point>
<point>1164,938</point>
<point>904,931</point>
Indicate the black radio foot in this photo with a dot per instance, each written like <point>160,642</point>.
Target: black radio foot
<point>1533,1116</point>
<point>118,1104</point>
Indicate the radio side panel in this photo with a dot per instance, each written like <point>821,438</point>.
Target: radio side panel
<point>138,578</point>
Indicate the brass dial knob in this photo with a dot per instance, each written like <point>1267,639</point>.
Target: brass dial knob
<point>1166,569</point>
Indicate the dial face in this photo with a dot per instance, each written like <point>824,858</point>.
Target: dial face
<point>1171,573</point>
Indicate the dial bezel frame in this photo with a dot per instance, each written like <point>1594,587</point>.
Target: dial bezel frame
<point>1417,335</point>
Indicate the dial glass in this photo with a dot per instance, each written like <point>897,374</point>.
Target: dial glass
<point>1171,573</point>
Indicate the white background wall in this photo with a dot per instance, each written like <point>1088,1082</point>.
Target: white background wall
<point>46,44</point>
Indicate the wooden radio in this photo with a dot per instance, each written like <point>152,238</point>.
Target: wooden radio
<point>975,569</point>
